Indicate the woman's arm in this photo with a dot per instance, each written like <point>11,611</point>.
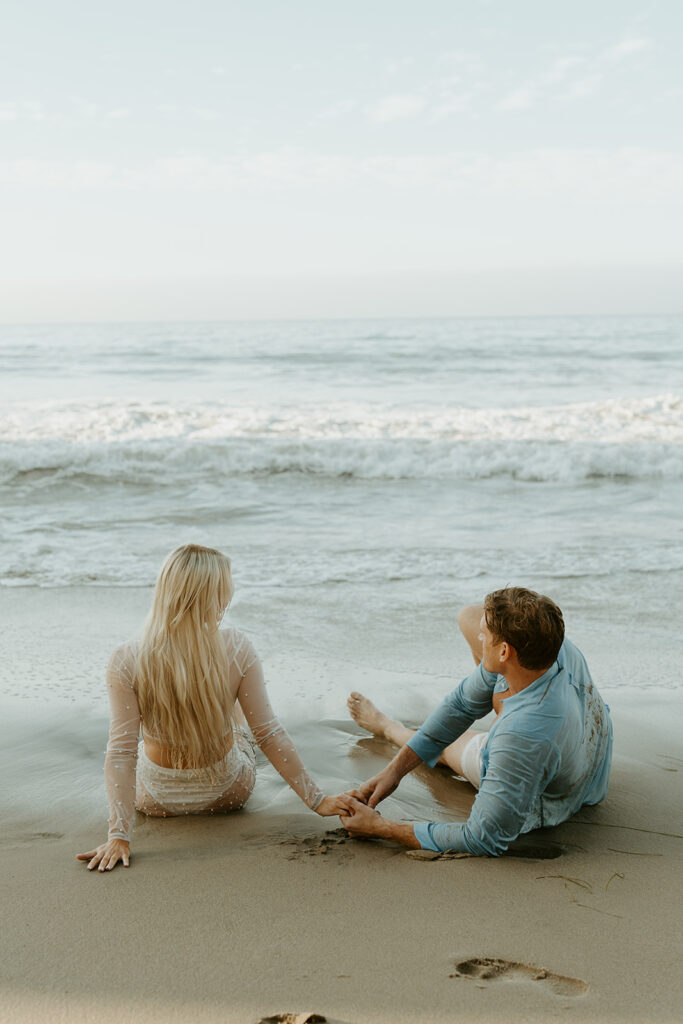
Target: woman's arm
<point>276,743</point>
<point>120,763</point>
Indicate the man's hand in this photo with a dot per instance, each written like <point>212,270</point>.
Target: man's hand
<point>361,820</point>
<point>107,856</point>
<point>384,784</point>
<point>379,787</point>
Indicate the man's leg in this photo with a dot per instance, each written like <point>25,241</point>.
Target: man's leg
<point>369,717</point>
<point>469,620</point>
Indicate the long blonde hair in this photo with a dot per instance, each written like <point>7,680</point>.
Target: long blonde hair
<point>182,667</point>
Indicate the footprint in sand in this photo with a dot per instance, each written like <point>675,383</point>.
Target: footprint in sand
<point>492,969</point>
<point>295,1018</point>
<point>315,846</point>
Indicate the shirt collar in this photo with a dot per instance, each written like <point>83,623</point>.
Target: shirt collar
<point>535,692</point>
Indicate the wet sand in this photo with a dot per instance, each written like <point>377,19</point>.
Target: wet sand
<point>236,918</point>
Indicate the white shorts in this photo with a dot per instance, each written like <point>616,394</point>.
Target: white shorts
<point>471,758</point>
<point>188,791</point>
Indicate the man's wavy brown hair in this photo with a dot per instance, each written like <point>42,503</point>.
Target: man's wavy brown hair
<point>529,622</point>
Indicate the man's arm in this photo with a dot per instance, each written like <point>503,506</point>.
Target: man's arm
<point>471,700</point>
<point>518,768</point>
<point>384,784</point>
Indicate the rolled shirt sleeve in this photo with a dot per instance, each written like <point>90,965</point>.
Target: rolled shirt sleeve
<point>471,700</point>
<point>517,771</point>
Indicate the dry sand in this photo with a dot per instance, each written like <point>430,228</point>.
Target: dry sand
<point>232,919</point>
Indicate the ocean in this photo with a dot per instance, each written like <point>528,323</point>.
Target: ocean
<point>365,477</point>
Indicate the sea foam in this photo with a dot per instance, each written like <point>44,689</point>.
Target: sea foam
<point>145,444</point>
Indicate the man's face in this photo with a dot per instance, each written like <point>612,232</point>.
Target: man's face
<point>489,649</point>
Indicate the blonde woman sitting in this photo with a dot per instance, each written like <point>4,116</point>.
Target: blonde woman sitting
<point>195,690</point>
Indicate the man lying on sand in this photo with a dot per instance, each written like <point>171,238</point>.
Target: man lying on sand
<point>547,753</point>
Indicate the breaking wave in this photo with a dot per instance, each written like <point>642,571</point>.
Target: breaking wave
<point>157,443</point>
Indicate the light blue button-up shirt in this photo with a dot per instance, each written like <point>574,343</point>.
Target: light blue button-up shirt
<point>547,754</point>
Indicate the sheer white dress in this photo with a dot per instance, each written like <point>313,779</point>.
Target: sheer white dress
<point>133,780</point>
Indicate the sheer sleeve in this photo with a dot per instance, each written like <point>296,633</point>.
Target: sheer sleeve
<point>241,650</point>
<point>269,733</point>
<point>122,749</point>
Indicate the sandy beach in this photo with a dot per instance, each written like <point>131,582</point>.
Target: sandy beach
<point>381,304</point>
<point>273,909</point>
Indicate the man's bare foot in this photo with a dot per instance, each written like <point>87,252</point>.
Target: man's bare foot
<point>364,712</point>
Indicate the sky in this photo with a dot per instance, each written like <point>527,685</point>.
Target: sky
<point>265,159</point>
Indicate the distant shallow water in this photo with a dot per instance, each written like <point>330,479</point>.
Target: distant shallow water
<point>375,470</point>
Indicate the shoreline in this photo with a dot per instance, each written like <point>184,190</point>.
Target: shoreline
<point>234,918</point>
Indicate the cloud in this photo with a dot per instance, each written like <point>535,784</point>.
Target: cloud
<point>118,113</point>
<point>182,110</point>
<point>447,93</point>
<point>338,109</point>
<point>397,65</point>
<point>561,68</point>
<point>204,114</point>
<point>29,110</point>
<point>519,99</point>
<point>85,107</point>
<point>573,77</point>
<point>628,175</point>
<point>462,62</point>
<point>584,87</point>
<point>395,108</point>
<point>626,48</point>
<point>448,105</point>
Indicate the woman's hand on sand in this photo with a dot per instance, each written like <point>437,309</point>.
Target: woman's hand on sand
<point>107,856</point>
<point>330,805</point>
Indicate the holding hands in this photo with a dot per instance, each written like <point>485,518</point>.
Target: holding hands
<point>361,820</point>
<point>364,820</point>
<point>330,805</point>
<point>359,816</point>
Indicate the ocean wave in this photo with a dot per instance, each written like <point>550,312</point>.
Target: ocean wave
<point>43,444</point>
<point>658,418</point>
<point>110,558</point>
<point>33,468</point>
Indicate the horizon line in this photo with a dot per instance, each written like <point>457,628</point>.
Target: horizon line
<point>338,319</point>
